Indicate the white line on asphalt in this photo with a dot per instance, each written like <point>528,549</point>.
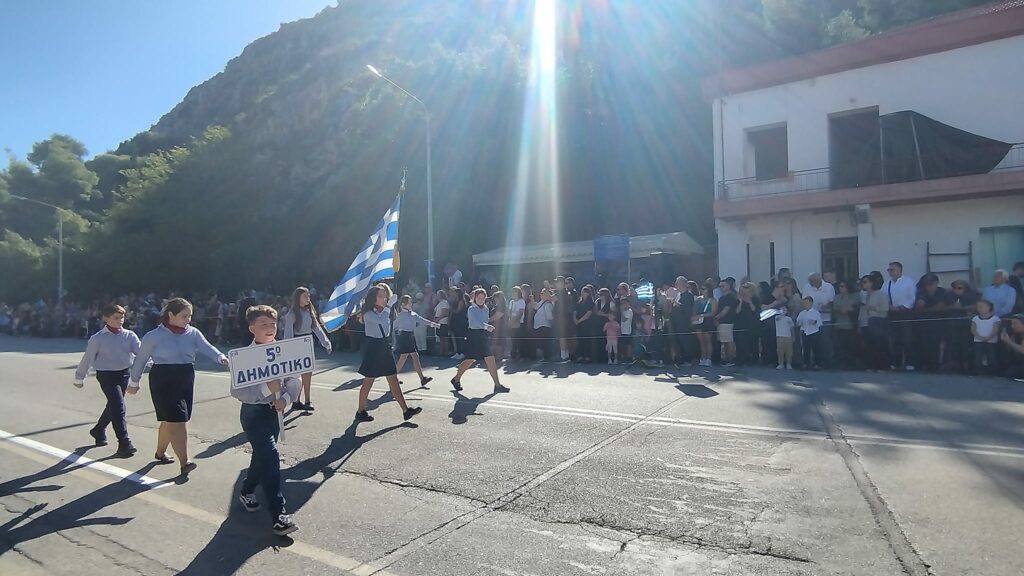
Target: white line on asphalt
<point>298,548</point>
<point>84,462</point>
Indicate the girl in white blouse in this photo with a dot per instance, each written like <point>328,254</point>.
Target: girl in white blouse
<point>302,320</point>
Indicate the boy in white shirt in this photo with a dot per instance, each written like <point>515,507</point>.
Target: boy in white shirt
<point>985,328</point>
<point>809,321</point>
<point>784,340</point>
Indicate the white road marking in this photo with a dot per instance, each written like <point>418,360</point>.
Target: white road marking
<point>325,557</point>
<point>85,462</point>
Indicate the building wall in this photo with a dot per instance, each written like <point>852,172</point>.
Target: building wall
<point>976,88</point>
<point>899,233</point>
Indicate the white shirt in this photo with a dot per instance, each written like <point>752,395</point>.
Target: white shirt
<point>783,326</point>
<point>442,306</point>
<point>809,321</point>
<point>987,329</point>
<point>544,316</point>
<point>626,324</point>
<point>518,309</point>
<point>456,278</point>
<point>901,292</point>
<point>822,297</point>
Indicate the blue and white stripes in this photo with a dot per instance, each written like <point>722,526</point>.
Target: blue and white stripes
<point>376,260</point>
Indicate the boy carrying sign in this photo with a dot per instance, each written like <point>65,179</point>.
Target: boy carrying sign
<point>259,418</point>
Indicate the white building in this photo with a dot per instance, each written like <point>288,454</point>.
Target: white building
<point>819,158</point>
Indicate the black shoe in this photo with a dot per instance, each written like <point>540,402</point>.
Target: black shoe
<point>283,526</point>
<point>456,385</point>
<point>99,437</point>
<point>410,412</point>
<point>125,450</point>
<point>425,380</point>
<point>249,502</point>
<point>163,459</point>
<point>309,406</point>
<point>499,389</point>
<point>299,406</point>
<point>188,467</point>
<point>362,416</point>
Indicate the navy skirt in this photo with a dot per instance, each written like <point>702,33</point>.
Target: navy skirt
<point>171,387</point>
<point>378,359</point>
<point>406,343</point>
<point>477,345</point>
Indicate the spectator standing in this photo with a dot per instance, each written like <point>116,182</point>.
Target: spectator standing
<point>876,319</point>
<point>1000,294</point>
<point>728,304</point>
<point>748,324</point>
<point>985,329</point>
<point>930,309</point>
<point>962,303</point>
<point>902,294</point>
<point>844,311</point>
<point>809,321</point>
<point>823,294</point>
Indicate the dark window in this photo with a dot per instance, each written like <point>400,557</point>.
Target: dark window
<point>855,149</point>
<point>771,152</point>
<point>839,255</point>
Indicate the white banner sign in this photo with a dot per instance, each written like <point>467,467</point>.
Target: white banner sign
<point>261,363</point>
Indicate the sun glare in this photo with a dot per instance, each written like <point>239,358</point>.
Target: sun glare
<point>537,182</point>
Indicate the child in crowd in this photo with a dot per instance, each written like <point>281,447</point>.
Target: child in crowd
<point>985,329</point>
<point>810,325</point>
<point>784,340</point>
<point>612,331</point>
<point>111,352</point>
<point>259,417</point>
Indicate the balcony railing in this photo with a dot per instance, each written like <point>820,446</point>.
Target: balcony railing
<point>819,179</point>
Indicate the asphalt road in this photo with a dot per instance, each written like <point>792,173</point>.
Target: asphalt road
<point>601,471</point>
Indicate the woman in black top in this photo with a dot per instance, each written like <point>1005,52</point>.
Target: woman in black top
<point>583,316</point>
<point>748,324</point>
<point>604,309</point>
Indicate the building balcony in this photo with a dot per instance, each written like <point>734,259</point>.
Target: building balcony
<point>812,190</point>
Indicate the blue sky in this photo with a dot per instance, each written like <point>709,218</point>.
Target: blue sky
<point>103,70</point>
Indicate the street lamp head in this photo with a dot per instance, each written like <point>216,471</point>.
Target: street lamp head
<point>375,71</point>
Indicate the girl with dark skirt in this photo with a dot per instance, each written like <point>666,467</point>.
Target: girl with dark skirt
<point>302,320</point>
<point>478,345</point>
<point>378,360</point>
<point>173,346</point>
<point>405,324</point>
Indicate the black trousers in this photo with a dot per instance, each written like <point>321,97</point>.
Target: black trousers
<point>261,427</point>
<point>902,331</point>
<point>544,339</point>
<point>113,384</point>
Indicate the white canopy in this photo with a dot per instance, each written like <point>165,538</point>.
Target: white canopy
<point>583,251</point>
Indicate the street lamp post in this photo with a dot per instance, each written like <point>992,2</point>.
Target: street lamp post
<point>60,243</point>
<point>430,195</point>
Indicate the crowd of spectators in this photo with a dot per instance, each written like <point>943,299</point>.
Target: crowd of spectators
<point>877,322</point>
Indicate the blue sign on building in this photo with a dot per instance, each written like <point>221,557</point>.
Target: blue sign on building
<point>611,248</point>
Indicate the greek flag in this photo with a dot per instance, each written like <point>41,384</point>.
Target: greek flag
<point>377,260</point>
<point>645,291</point>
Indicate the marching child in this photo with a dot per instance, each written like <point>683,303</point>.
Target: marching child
<point>378,360</point>
<point>405,324</point>
<point>809,320</point>
<point>111,352</point>
<point>784,340</point>
<point>302,320</point>
<point>478,348</point>
<point>259,418</point>
<point>612,331</point>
